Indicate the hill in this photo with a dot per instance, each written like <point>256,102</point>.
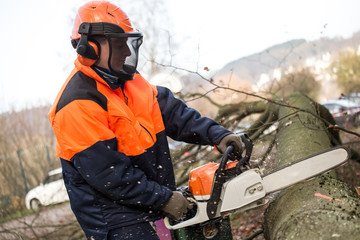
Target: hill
<point>283,55</point>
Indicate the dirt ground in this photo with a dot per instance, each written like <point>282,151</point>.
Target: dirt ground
<point>53,222</point>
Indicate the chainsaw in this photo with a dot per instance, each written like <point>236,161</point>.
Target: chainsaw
<point>217,190</point>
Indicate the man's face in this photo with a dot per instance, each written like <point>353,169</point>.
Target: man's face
<point>119,52</point>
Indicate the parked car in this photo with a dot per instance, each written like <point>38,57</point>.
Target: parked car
<point>52,190</point>
<point>353,97</point>
<point>344,110</point>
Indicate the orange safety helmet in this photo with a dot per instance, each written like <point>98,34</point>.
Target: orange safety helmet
<point>102,18</point>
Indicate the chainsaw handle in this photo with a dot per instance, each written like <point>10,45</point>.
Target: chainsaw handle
<point>200,217</point>
<point>219,179</point>
<point>221,176</point>
<point>225,157</point>
<point>248,149</point>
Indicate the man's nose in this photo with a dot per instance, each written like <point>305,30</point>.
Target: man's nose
<point>127,50</point>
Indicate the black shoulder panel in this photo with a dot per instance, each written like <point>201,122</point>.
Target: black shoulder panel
<point>82,87</point>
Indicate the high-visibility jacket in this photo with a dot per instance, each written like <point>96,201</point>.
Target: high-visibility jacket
<point>113,147</point>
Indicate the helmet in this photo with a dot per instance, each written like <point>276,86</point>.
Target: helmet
<point>101,18</point>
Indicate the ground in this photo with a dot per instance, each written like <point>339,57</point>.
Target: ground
<point>245,225</point>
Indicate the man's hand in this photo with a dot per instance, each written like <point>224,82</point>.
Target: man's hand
<point>177,206</point>
<point>231,139</point>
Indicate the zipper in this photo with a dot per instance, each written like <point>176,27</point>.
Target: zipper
<point>147,132</point>
<point>123,92</point>
<point>127,101</point>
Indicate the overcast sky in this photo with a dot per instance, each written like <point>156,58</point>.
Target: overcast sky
<point>36,53</point>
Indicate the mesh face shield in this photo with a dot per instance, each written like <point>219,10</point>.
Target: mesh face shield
<point>124,52</point>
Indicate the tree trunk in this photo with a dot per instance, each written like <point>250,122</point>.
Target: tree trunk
<point>321,208</point>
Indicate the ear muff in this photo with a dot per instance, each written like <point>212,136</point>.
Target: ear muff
<point>88,51</point>
<point>84,57</point>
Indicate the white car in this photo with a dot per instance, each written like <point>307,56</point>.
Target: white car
<point>52,190</point>
<point>341,107</point>
<point>344,111</point>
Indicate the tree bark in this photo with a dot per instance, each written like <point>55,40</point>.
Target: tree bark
<point>321,208</point>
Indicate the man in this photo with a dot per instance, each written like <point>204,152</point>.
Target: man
<point>111,127</point>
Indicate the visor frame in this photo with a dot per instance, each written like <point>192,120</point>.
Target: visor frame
<point>121,35</point>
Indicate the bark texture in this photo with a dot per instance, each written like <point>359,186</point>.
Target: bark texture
<point>321,208</point>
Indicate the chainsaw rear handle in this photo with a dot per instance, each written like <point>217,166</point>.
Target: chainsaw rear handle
<point>199,217</point>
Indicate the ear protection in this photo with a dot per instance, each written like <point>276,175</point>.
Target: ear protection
<point>88,51</point>
<point>84,59</point>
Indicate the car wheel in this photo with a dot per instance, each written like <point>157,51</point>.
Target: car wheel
<point>35,204</point>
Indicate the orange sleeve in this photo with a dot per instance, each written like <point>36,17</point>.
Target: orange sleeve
<point>80,125</point>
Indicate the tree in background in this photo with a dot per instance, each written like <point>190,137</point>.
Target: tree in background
<point>27,145</point>
<point>302,81</point>
<point>152,20</point>
<point>346,68</point>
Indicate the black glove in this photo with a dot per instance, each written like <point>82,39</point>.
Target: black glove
<point>177,206</point>
<point>231,139</point>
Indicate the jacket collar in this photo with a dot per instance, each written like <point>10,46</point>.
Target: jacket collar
<point>100,75</point>
<point>112,81</point>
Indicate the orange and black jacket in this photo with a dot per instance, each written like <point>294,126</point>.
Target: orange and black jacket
<point>113,146</point>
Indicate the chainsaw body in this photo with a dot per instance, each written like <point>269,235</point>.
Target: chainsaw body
<point>220,189</point>
<point>237,193</point>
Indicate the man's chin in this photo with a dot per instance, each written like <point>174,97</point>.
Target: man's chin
<point>118,68</point>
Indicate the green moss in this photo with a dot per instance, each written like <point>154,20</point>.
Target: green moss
<point>309,210</point>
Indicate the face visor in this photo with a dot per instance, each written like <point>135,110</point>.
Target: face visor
<point>123,53</point>
<point>123,47</point>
